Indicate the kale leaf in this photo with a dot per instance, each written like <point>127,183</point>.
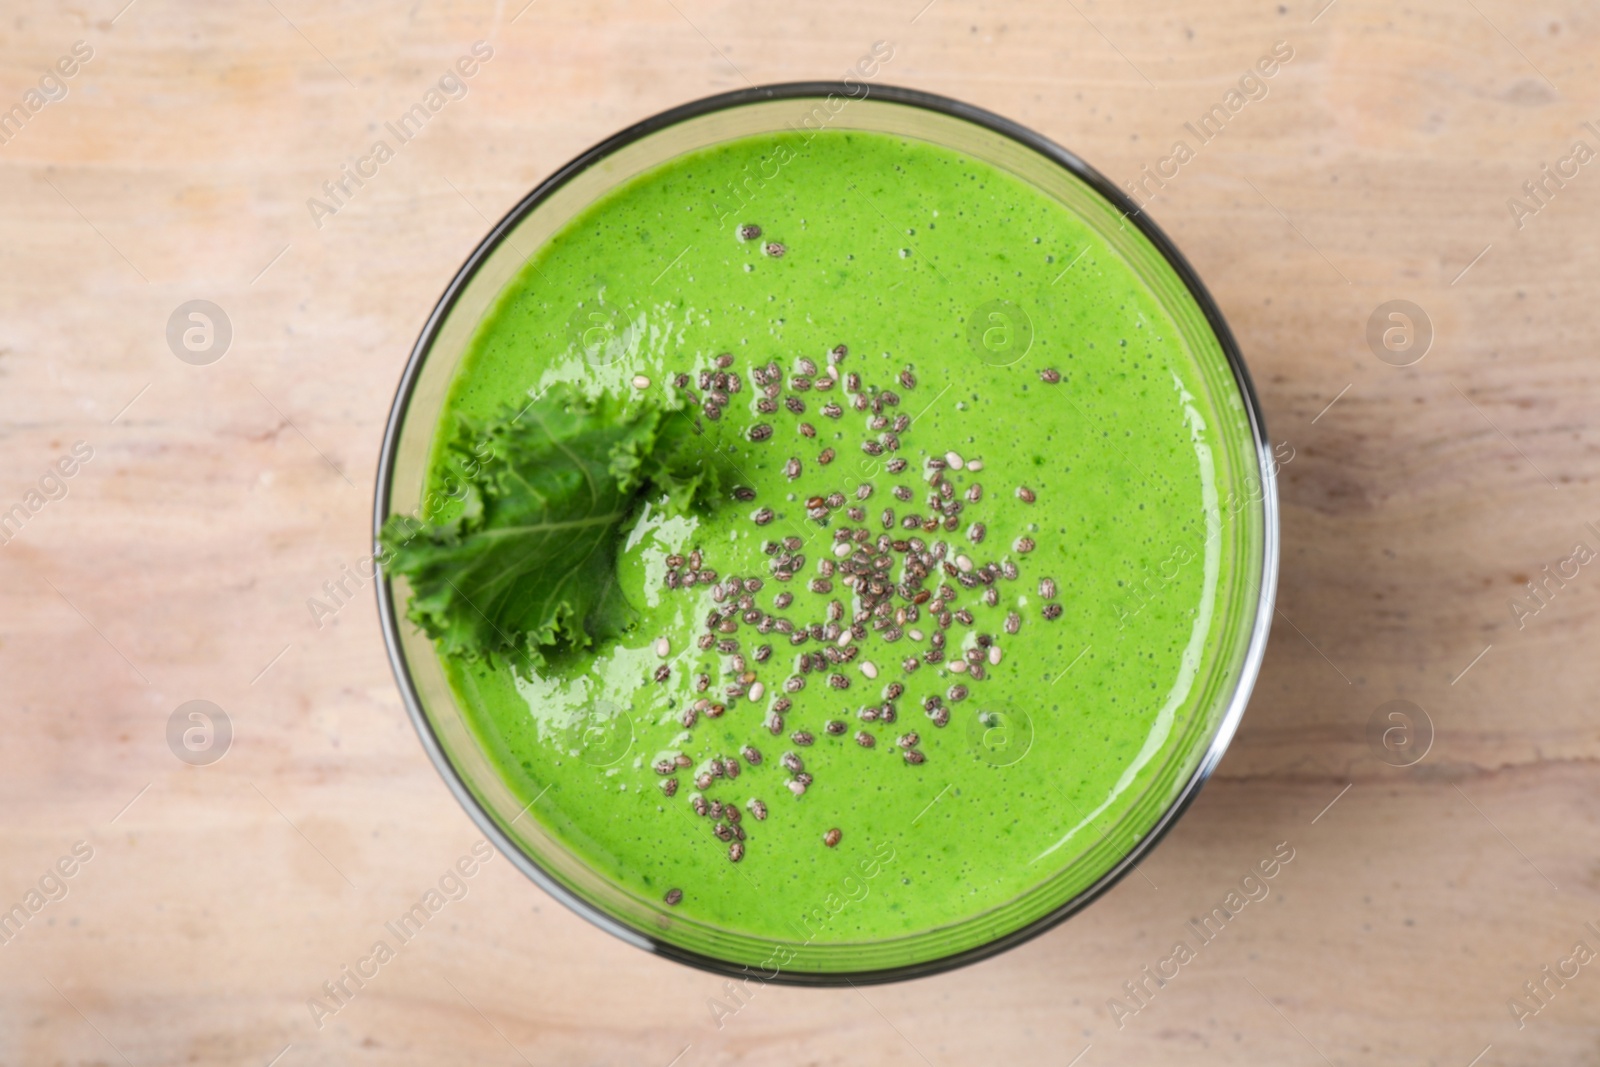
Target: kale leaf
<point>529,566</point>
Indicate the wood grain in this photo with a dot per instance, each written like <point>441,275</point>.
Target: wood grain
<point>218,899</point>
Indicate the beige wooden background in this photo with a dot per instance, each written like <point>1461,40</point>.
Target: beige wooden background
<point>219,498</point>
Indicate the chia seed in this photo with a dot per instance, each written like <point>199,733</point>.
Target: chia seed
<point>762,516</point>
<point>736,850</point>
<point>1025,494</point>
<point>831,838</point>
<point>748,232</point>
<point>1050,376</point>
<point>673,896</point>
<point>1024,544</point>
<point>1052,612</point>
<point>775,249</point>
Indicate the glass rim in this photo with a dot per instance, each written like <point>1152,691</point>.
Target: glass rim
<point>1250,664</point>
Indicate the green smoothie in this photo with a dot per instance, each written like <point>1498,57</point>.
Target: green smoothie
<point>944,641</point>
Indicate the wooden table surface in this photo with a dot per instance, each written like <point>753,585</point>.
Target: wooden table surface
<point>175,564</point>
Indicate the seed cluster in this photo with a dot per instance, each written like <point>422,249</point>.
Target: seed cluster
<point>900,578</point>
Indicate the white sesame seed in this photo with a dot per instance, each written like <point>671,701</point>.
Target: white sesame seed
<point>994,655</point>
<point>641,382</point>
<point>954,460</point>
<point>758,691</point>
<point>843,549</point>
<point>974,464</point>
<point>915,635</point>
<point>958,667</point>
<point>869,668</point>
<point>663,647</point>
<point>797,788</point>
<point>845,639</point>
<point>964,563</point>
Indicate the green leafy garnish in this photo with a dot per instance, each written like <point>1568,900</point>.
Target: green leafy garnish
<point>529,566</point>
